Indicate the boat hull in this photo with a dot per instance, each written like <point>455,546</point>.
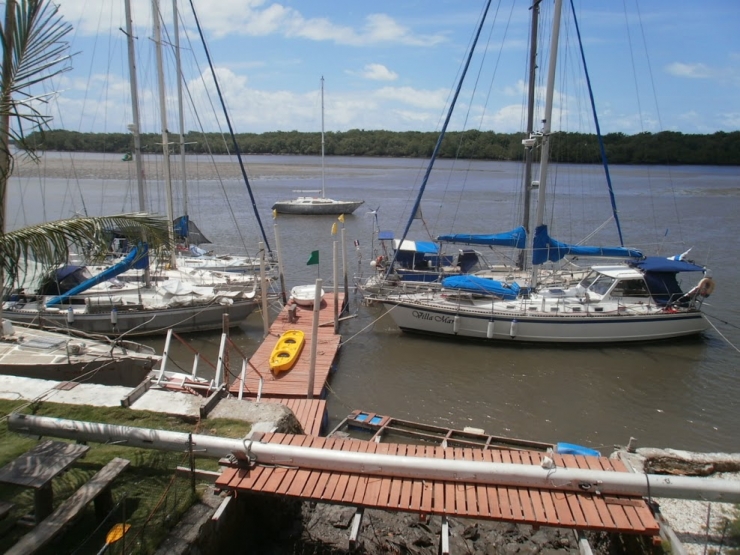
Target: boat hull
<point>44,355</point>
<point>286,351</point>
<point>622,328</point>
<point>139,322</point>
<point>319,208</point>
<point>305,295</point>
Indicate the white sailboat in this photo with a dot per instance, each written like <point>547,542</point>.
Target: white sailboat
<point>318,206</point>
<point>146,309</point>
<point>638,300</point>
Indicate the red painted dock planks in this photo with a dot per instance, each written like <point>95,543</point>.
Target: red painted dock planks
<point>539,507</point>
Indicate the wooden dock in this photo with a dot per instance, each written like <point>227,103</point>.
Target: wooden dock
<point>291,388</point>
<point>537,507</point>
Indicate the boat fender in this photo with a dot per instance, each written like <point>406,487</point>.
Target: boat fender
<point>513,329</point>
<point>489,330</point>
<point>456,324</point>
<point>706,287</point>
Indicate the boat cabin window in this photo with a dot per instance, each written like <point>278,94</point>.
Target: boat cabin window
<point>589,279</point>
<point>631,288</point>
<point>601,284</point>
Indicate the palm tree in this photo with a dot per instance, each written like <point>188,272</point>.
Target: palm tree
<point>34,51</point>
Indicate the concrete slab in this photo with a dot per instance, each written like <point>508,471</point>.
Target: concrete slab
<point>29,389</point>
<point>169,402</point>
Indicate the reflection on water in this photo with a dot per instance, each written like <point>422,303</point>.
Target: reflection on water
<point>680,394</point>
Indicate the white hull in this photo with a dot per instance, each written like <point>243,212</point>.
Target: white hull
<point>308,206</point>
<point>305,295</point>
<point>40,354</point>
<point>524,326</point>
<point>137,321</point>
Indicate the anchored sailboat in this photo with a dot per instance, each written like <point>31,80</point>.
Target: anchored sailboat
<point>637,300</point>
<point>318,206</point>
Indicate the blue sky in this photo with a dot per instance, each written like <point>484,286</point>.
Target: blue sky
<point>658,65</point>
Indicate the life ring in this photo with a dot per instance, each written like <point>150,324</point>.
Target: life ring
<point>706,287</point>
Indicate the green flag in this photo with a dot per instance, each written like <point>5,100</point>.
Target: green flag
<point>313,259</point>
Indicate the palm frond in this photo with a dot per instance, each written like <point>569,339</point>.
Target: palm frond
<point>49,244</point>
<point>38,52</point>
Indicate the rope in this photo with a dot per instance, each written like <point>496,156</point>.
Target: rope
<point>722,335</point>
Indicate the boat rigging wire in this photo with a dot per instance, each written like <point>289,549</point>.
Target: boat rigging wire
<point>231,129</point>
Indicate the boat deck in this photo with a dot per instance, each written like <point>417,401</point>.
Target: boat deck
<point>521,505</point>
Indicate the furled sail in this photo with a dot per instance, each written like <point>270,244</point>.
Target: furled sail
<point>516,238</point>
<point>475,284</point>
<point>546,248</point>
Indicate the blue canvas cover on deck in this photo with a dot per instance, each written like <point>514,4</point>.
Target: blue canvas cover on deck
<point>516,238</point>
<point>546,248</point>
<point>475,284</point>
<point>660,277</point>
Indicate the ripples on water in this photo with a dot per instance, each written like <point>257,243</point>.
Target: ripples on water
<point>682,394</point>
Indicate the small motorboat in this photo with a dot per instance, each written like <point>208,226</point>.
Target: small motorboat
<point>304,295</point>
<point>286,351</point>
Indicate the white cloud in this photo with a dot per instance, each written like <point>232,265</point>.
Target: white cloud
<point>691,71</point>
<point>378,72</point>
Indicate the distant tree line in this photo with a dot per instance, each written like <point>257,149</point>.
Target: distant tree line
<point>667,147</point>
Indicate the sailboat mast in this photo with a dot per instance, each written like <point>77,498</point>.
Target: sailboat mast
<point>530,126</point>
<point>136,127</point>
<point>547,121</point>
<point>165,133</point>
<point>178,65</point>
<point>323,177</point>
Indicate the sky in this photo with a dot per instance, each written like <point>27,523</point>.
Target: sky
<point>654,65</point>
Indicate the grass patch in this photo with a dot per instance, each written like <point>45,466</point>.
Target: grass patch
<point>148,494</point>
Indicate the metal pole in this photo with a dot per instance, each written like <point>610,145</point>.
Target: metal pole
<point>136,125</point>
<point>165,132</point>
<point>517,475</point>
<point>544,160</point>
<point>180,112</point>
<point>314,336</point>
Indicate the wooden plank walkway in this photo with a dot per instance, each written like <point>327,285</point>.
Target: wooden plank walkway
<point>309,412</point>
<point>534,506</point>
<point>294,383</point>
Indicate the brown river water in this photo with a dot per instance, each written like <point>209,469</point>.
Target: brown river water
<point>683,394</point>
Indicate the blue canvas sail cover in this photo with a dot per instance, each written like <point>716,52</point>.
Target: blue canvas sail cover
<point>186,229</point>
<point>546,248</point>
<point>516,238</point>
<point>475,284</point>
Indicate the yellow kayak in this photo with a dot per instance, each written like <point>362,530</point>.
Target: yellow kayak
<point>286,351</point>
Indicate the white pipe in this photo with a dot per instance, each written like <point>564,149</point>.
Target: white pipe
<point>505,474</point>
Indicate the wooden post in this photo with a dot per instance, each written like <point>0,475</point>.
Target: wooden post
<point>344,269</point>
<point>281,273</point>
<point>336,289</point>
<point>263,292</point>
<point>314,336</point>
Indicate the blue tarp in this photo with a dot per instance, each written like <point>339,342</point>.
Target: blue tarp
<point>132,260</point>
<point>475,284</point>
<point>516,238</point>
<point>660,264</point>
<point>546,248</point>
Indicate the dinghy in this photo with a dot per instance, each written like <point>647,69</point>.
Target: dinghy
<point>304,295</point>
<point>286,351</point>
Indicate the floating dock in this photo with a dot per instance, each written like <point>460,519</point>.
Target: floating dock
<point>259,380</point>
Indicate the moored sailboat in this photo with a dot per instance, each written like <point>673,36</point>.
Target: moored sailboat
<point>318,206</point>
<point>637,300</point>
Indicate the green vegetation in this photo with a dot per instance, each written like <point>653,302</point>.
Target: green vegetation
<point>667,147</point>
<point>148,495</point>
